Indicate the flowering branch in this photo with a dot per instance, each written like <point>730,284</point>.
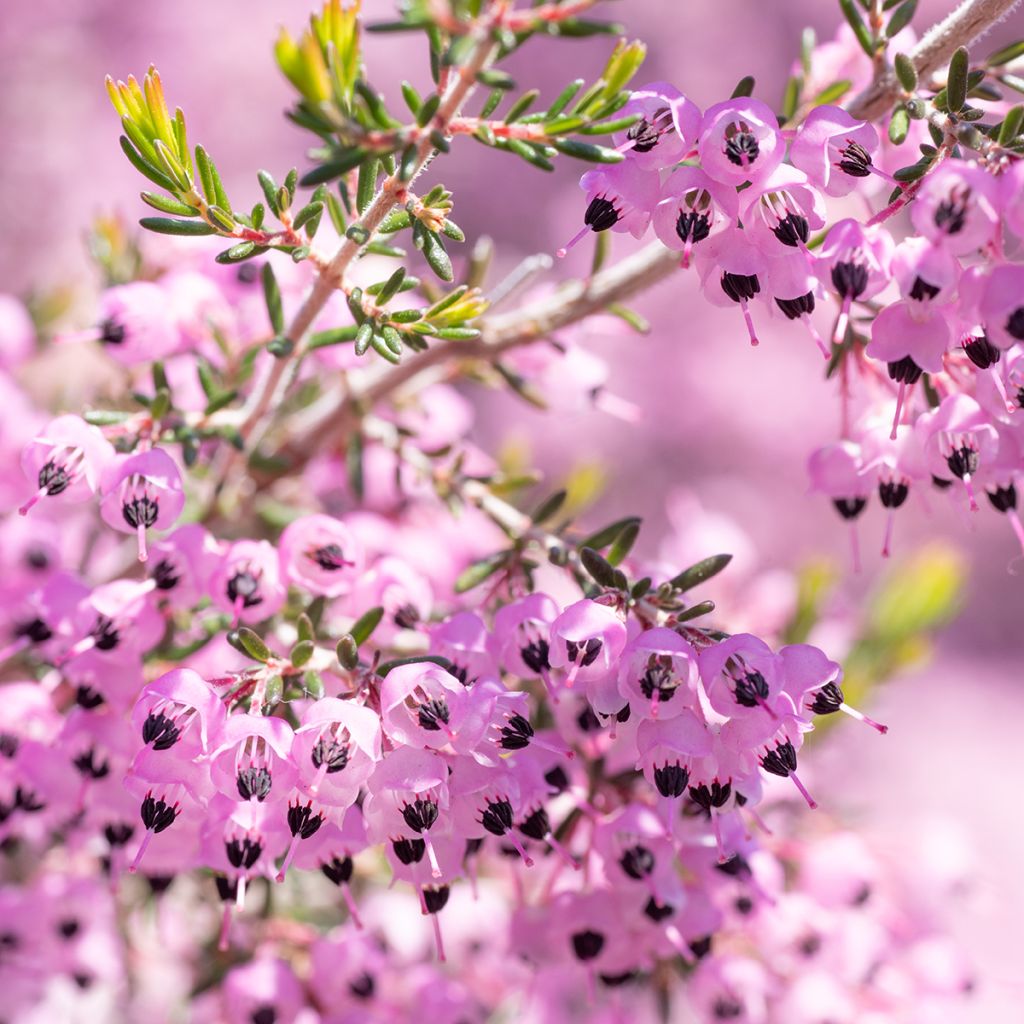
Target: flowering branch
<point>969,21</point>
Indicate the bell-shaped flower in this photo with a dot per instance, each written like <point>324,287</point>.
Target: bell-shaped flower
<point>620,197</point>
<point>960,441</point>
<point>792,283</point>
<point>740,141</point>
<point>925,272</point>
<point>782,209</point>
<point>247,581</point>
<point>731,268</point>
<point>658,674</point>
<point>67,459</point>
<point>834,150</point>
<point>116,623</point>
<point>693,208</point>
<point>142,492</point>
<point>586,641</point>
<point>957,206</point>
<point>336,747</point>
<point>182,563</point>
<point>839,472</point>
<point>1001,305</point>
<point>252,758</point>
<point>321,555</point>
<point>404,594</point>
<point>520,641</point>
<point>667,129</point>
<point>463,639</point>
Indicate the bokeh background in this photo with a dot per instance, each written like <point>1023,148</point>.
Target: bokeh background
<point>733,425</point>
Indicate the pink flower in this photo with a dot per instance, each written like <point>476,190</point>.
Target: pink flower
<point>740,141</point>
<point>957,207</point>
<point>667,128</point>
<point>320,554</point>
<point>834,149</point>
<point>247,582</point>
<point>140,492</point>
<point>693,207</point>
<point>68,459</point>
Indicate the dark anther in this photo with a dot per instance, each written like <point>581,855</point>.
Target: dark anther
<point>1003,499</point>
<point>715,795</point>
<point>516,734</point>
<point>905,370</point>
<point>118,834</point>
<point>798,307</point>
<point>409,851</point>
<point>140,511</point>
<point>742,149</point>
<point>849,279</point>
<point>536,656</point>
<point>939,484</point>
<point>586,653</point>
<point>792,230</point>
<point>407,617</point>
<point>432,713</point>
<point>601,214</point>
<point>8,744</point>
<point>849,508</point>
<point>88,764</point>
<point>736,867</point>
<point>246,586</point>
<point>587,720</point>
<point>111,332</point>
<point>362,987</point>
<point>106,634</point>
<point>856,160</point>
<point>330,557</point>
<point>53,478</point>
<point>164,575</point>
<point>263,1015</point>
<point>922,290</point>
<point>254,781</point>
<point>727,1009</point>
<point>659,679</point>
<point>658,911</point>
<point>827,700</point>
<point>1015,323</point>
<point>693,227</point>
<point>982,352</point>
<point>537,825</point>
<point>497,818</point>
<point>587,944</point>
<point>700,947</point>
<point>420,814</point>
<point>69,927</point>
<point>338,870</point>
<point>810,945</point>
<point>637,862</point>
<point>87,698</point>
<point>951,213</point>
<point>302,821</point>
<point>156,814</point>
<point>622,715</point>
<point>781,760</point>
<point>645,135</point>
<point>892,493</point>
<point>744,905</point>
<point>330,752</point>
<point>82,980</point>
<point>615,980</point>
<point>227,888</point>
<point>27,801</point>
<point>461,673</point>
<point>751,689</point>
<point>962,462</point>
<point>37,559</point>
<point>557,779</point>
<point>436,899</point>
<point>473,847</point>
<point>161,731</point>
<point>671,779</point>
<point>36,630</point>
<point>740,287</point>
<point>243,853</point>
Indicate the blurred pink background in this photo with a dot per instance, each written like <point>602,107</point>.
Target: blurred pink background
<point>732,423</point>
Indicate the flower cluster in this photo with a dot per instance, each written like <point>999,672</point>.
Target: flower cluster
<point>928,322</point>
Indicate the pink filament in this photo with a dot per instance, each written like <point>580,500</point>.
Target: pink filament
<point>435,867</point>
<point>293,847</point>
<point>350,902</point>
<point>438,941</point>
<point>526,858</point>
<point>822,347</point>
<point>563,252</point>
<point>1018,528</point>
<point>749,321</point>
<point>224,938</point>
<point>803,791</point>
<point>861,717</point>
<point>143,846</point>
<point>889,524</point>
<point>900,395</point>
<point>143,553</point>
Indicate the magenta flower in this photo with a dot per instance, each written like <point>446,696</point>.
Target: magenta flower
<point>67,460</point>
<point>740,141</point>
<point>182,563</point>
<point>247,582</point>
<point>791,281</point>
<point>422,705</point>
<point>252,758</point>
<point>667,128</point>
<point>834,150</point>
<point>586,641</point>
<point>658,674</point>
<point>693,207</point>
<point>621,197</point>
<point>960,441</point>
<point>141,492</point>
<point>783,208</point>
<point>957,207</point>
<point>731,268</point>
<point>321,555</point>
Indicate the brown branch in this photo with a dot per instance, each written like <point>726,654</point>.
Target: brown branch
<point>960,28</point>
